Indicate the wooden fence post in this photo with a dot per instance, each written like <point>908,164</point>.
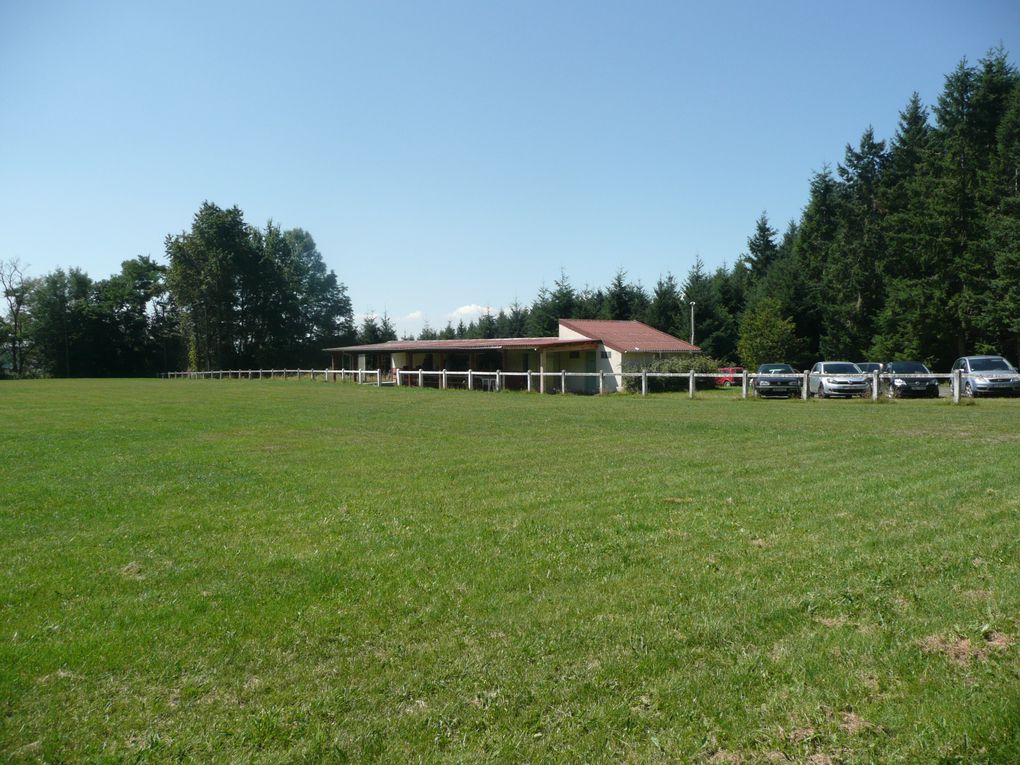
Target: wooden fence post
<point>805,387</point>
<point>563,381</point>
<point>421,378</point>
<point>874,385</point>
<point>743,384</point>
<point>602,382</point>
<point>957,384</point>
<point>499,379</point>
<point>644,382</point>
<point>529,381</point>
<point>690,384</point>
<point>541,379</point>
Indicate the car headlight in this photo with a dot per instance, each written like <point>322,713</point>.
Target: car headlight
<point>899,381</point>
<point>764,382</point>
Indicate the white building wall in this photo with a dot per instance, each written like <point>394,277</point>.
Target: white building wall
<point>568,334</point>
<point>610,362</point>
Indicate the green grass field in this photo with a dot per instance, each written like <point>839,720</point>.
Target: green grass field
<point>301,572</point>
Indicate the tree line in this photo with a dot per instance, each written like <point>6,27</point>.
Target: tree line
<point>910,248</point>
<point>229,295</point>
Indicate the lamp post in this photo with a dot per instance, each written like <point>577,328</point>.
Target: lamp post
<point>683,296</point>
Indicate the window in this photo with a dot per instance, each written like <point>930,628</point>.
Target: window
<point>605,354</point>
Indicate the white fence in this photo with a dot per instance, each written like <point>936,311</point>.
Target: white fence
<point>545,382</point>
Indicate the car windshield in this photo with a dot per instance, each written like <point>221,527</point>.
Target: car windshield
<point>773,369</point>
<point>993,364</point>
<point>841,368</point>
<point>908,368</point>
<point>868,366</point>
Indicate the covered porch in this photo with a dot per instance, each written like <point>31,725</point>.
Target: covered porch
<point>483,359</point>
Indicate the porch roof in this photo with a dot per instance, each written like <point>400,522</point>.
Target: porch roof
<point>490,344</point>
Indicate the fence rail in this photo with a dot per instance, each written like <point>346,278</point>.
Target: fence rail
<point>545,382</point>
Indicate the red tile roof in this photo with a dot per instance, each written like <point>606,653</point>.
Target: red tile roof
<point>629,336</point>
<point>623,336</point>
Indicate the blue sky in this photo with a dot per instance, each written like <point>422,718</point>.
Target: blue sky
<point>451,154</point>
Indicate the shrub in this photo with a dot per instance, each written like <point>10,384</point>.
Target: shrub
<point>700,363</point>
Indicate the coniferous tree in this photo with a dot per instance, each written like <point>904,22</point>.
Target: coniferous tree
<point>486,327</point>
<point>665,310</point>
<point>761,247</point>
<point>850,281</point>
<point>623,300</point>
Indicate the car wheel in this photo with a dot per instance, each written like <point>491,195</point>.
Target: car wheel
<point>821,390</point>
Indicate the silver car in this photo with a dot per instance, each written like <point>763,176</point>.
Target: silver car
<point>837,378</point>
<point>986,376</point>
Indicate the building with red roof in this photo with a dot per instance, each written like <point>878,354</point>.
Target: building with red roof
<point>583,345</point>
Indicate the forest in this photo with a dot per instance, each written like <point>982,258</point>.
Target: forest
<point>908,249</point>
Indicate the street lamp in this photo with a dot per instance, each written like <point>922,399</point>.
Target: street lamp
<point>683,297</point>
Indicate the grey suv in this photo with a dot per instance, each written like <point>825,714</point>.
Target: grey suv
<point>837,378</point>
<point>986,376</point>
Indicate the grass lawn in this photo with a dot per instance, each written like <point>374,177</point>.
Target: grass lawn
<point>234,571</point>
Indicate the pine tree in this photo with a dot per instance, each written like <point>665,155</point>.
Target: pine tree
<point>851,280</point>
<point>761,247</point>
<point>666,311</point>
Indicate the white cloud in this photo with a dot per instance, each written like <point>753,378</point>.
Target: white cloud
<point>410,324</point>
<point>472,311</point>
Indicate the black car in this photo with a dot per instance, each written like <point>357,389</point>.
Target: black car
<point>911,383</point>
<point>777,380</point>
<point>869,366</point>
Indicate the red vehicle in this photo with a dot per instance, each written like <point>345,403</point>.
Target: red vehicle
<point>728,376</point>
